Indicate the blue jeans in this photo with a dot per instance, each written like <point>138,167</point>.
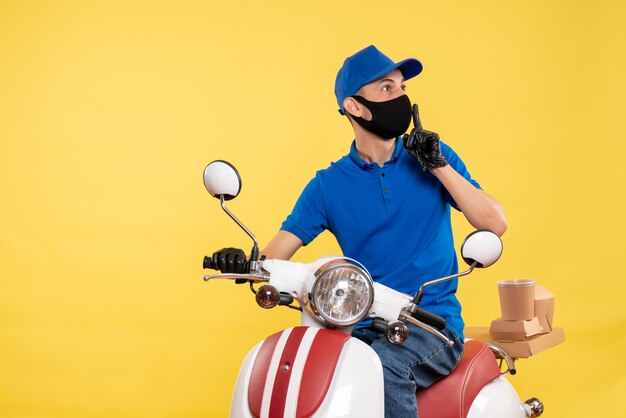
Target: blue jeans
<point>418,363</point>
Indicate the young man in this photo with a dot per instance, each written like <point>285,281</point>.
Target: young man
<point>388,204</point>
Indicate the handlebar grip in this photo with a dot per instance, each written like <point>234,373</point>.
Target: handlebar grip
<point>208,263</point>
<point>430,318</point>
<point>380,324</point>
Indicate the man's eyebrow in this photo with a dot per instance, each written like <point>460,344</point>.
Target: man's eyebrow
<point>390,80</point>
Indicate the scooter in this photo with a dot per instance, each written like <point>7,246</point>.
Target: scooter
<point>318,370</point>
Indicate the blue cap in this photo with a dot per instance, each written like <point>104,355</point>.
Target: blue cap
<point>365,66</point>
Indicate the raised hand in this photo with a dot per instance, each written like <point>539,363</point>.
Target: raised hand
<point>423,145</point>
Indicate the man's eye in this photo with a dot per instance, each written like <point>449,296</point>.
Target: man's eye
<point>386,88</point>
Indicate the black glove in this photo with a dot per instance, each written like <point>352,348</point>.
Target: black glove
<point>423,145</point>
<point>228,260</point>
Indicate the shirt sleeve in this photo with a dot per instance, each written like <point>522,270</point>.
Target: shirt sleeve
<point>459,166</point>
<point>308,218</point>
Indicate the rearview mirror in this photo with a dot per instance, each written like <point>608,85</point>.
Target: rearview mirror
<point>481,247</point>
<point>221,178</point>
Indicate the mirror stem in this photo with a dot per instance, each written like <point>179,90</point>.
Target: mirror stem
<point>254,255</point>
<point>420,293</point>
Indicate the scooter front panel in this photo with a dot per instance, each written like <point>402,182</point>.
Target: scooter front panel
<point>319,370</point>
<point>287,374</point>
<point>290,373</point>
<point>357,387</point>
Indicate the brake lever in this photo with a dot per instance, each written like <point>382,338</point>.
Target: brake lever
<point>255,277</point>
<point>428,328</point>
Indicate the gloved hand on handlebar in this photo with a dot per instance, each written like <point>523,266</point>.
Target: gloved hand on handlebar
<point>423,145</point>
<point>228,260</point>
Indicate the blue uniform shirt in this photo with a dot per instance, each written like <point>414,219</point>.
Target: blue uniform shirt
<point>394,219</point>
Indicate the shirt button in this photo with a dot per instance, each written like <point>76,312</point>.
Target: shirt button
<point>382,174</point>
<point>386,190</point>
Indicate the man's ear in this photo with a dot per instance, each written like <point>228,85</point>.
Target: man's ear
<point>353,107</point>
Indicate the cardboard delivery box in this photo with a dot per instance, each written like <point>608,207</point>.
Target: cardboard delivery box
<point>524,338</point>
<point>519,349</point>
<point>502,330</point>
<point>544,308</point>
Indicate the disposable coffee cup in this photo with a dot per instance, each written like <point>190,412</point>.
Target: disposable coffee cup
<point>517,299</point>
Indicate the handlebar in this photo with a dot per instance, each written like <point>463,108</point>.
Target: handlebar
<point>429,318</point>
<point>211,263</point>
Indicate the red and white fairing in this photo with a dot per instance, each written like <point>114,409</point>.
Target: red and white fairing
<point>309,372</point>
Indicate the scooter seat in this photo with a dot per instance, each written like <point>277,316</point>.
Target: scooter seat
<point>452,396</point>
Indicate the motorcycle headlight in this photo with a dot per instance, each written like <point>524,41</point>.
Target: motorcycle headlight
<point>342,293</point>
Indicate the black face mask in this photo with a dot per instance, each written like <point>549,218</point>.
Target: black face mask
<point>390,119</point>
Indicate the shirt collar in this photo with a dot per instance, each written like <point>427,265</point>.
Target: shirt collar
<point>354,155</point>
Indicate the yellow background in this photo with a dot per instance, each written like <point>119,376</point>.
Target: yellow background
<point>109,111</point>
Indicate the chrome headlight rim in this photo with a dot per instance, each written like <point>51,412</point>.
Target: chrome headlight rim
<point>322,273</point>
